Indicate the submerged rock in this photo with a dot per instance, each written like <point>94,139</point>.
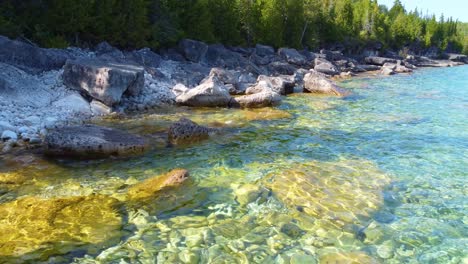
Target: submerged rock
<point>315,82</point>
<point>91,141</point>
<point>104,80</point>
<point>150,187</point>
<point>336,193</point>
<point>187,131</point>
<point>33,228</point>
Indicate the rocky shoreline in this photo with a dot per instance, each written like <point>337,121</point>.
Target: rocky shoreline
<point>45,90</point>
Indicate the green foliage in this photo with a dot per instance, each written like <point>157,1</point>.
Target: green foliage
<point>160,23</point>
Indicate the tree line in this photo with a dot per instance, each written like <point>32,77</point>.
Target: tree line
<point>293,23</point>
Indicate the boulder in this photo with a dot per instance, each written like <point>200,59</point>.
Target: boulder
<point>31,59</point>
<point>186,131</point>
<point>369,67</point>
<point>379,60</point>
<point>258,100</point>
<point>263,50</point>
<point>225,76</point>
<point>90,141</point>
<point>388,70</point>
<point>458,57</point>
<point>150,187</point>
<point>145,57</point>
<point>218,55</point>
<point>278,85</point>
<point>9,135</point>
<point>4,125</point>
<point>74,103</point>
<point>332,55</point>
<point>314,82</point>
<point>326,67</point>
<point>105,51</point>
<point>192,50</point>
<point>210,93</point>
<point>104,80</point>
<point>292,56</point>
<point>281,68</point>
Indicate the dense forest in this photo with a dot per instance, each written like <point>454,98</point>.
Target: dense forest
<point>293,23</point>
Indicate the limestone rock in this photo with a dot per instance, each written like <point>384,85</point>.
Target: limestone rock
<point>90,141</point>
<point>104,80</point>
<point>325,67</point>
<point>73,103</point>
<point>193,50</point>
<point>278,85</point>
<point>379,60</point>
<point>258,100</point>
<point>292,56</point>
<point>150,187</point>
<point>315,82</point>
<point>187,131</point>
<point>209,93</point>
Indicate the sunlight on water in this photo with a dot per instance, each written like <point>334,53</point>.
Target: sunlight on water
<point>378,177</point>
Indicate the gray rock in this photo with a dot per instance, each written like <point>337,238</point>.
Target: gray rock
<point>378,60</point>
<point>458,57</point>
<point>387,70</point>
<point>32,120</point>
<point>225,76</point>
<point>278,85</point>
<point>145,57</point>
<point>31,58</point>
<point>99,109</point>
<point>281,68</point>
<point>332,55</point>
<point>326,67</point>
<point>50,122</point>
<point>186,131</point>
<point>73,103</point>
<point>193,50</point>
<point>105,51</point>
<point>315,82</point>
<point>292,56</point>
<point>263,50</point>
<point>217,55</point>
<point>91,141</point>
<point>210,93</point>
<point>369,67</point>
<point>258,100</point>
<point>9,135</point>
<point>103,80</point>
<point>6,126</point>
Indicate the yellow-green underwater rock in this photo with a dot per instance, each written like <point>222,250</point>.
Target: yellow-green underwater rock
<point>35,228</point>
<point>347,258</point>
<point>336,193</point>
<point>150,187</point>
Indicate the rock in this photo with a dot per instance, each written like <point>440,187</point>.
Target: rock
<point>105,51</point>
<point>258,100</point>
<point>225,76</point>
<point>292,230</point>
<point>179,89</point>
<point>218,55</point>
<point>328,199</point>
<point>91,141</point>
<point>332,55</point>
<point>9,135</point>
<point>102,80</point>
<point>292,56</point>
<point>281,68</point>
<point>458,57</point>
<point>262,50</point>
<point>172,55</point>
<point>315,82</point>
<point>6,126</point>
<point>145,57</point>
<point>99,109</point>
<point>378,60</point>
<point>368,67</point>
<point>278,85</point>
<point>249,193</point>
<point>209,93</point>
<point>347,257</point>
<point>33,229</point>
<point>326,67</point>
<point>32,120</point>
<point>190,74</point>
<point>73,103</point>
<point>186,131</point>
<point>193,50</point>
<point>389,70</point>
<point>150,187</point>
<point>31,59</point>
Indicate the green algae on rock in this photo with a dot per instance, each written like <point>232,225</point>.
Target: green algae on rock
<point>36,228</point>
<point>338,193</point>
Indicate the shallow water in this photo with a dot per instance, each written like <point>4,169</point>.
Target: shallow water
<point>379,177</point>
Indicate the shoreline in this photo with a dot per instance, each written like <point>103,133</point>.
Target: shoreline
<point>267,73</point>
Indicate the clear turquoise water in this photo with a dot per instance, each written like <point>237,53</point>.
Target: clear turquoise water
<point>380,177</point>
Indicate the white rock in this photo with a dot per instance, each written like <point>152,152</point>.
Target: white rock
<point>32,120</point>
<point>99,109</point>
<point>6,126</point>
<point>9,135</point>
<point>50,122</point>
<point>23,130</point>
<point>73,103</point>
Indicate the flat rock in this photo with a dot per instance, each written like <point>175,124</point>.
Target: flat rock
<point>105,81</point>
<point>378,60</point>
<point>90,141</point>
<point>315,82</point>
<point>258,100</point>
